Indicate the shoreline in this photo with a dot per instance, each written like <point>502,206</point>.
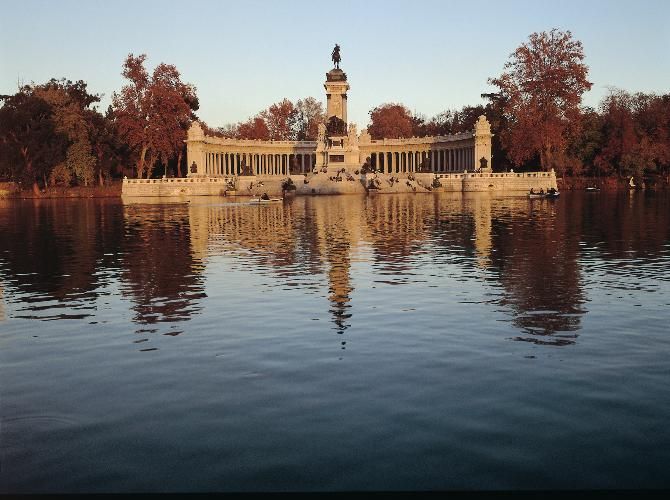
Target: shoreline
<point>113,190</point>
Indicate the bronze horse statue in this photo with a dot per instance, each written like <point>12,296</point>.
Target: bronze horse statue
<point>335,56</point>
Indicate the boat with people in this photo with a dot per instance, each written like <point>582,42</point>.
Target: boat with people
<point>263,199</point>
<point>551,193</point>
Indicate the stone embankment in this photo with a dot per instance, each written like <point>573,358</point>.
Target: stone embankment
<point>329,183</point>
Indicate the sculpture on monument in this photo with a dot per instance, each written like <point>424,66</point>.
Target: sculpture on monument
<point>336,126</point>
<point>335,56</point>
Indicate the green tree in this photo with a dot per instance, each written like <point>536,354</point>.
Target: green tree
<point>70,102</point>
<point>30,144</point>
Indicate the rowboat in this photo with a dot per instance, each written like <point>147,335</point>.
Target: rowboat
<point>261,201</point>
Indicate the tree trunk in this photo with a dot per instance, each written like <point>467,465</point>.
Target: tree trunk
<point>101,179</point>
<point>140,164</point>
<point>179,157</point>
<point>36,188</point>
<point>148,162</point>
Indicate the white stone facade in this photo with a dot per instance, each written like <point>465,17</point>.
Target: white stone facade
<point>217,157</point>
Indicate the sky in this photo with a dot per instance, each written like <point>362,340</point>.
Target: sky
<point>430,55</point>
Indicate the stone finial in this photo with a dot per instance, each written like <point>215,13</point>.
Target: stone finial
<point>195,132</point>
<point>364,137</point>
<point>482,126</point>
<point>353,134</point>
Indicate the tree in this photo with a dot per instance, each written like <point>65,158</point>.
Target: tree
<point>280,119</point>
<point>542,86</point>
<point>30,144</point>
<point>173,104</point>
<point>583,147</point>
<point>70,102</point>
<point>229,130</point>
<point>635,134</point>
<point>391,121</point>
<point>153,112</point>
<point>309,114</point>
<point>253,128</point>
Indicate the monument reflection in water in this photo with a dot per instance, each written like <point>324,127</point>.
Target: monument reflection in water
<point>207,346</point>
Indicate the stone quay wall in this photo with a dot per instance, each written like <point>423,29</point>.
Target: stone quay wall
<point>169,187</point>
<point>509,181</point>
<point>344,183</point>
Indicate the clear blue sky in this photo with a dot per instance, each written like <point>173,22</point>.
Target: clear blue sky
<point>243,56</point>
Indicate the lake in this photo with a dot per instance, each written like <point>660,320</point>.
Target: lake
<point>389,342</point>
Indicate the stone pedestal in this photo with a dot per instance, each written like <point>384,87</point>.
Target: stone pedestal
<point>337,150</point>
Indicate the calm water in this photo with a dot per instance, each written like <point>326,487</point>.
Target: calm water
<point>339,343</point>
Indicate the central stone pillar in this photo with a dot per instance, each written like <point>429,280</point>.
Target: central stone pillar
<point>336,94</point>
<point>337,144</point>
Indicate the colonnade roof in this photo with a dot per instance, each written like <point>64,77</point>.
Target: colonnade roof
<point>408,141</point>
<point>419,140</point>
<point>224,141</point>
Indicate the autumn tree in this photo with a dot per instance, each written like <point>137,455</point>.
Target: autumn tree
<point>280,119</point>
<point>253,128</point>
<point>153,112</point>
<point>635,130</point>
<point>309,114</point>
<point>391,121</point>
<point>542,86</point>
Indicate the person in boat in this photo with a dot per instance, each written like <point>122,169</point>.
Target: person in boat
<point>265,196</point>
<point>532,191</point>
<point>541,191</point>
<point>552,191</point>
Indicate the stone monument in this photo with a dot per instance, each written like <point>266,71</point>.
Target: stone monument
<point>482,148</point>
<point>337,149</point>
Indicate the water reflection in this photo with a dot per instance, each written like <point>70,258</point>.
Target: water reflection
<point>159,271</point>
<point>53,255</point>
<point>537,258</point>
<point>2,304</point>
<point>533,259</point>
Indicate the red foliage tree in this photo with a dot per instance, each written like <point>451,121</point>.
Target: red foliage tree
<point>309,114</point>
<point>636,134</point>
<point>391,121</point>
<point>280,119</point>
<point>542,88</point>
<point>153,112</point>
<point>253,128</point>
